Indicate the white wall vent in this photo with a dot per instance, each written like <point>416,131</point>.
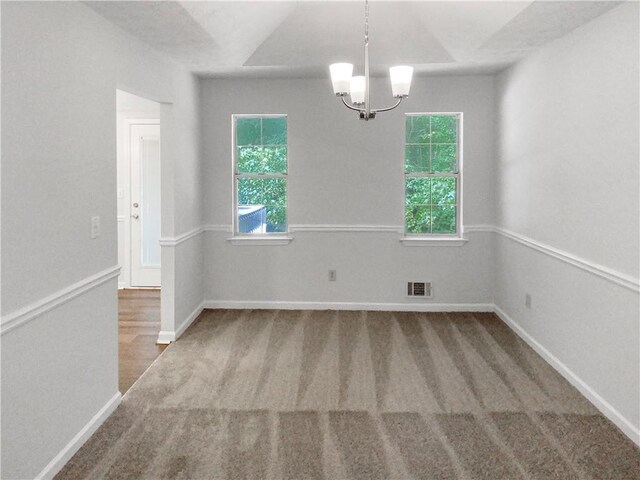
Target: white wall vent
<point>419,289</point>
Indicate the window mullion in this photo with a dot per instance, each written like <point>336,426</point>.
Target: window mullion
<point>261,175</point>
<point>426,174</point>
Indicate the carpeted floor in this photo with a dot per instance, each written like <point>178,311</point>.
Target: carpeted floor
<point>268,394</point>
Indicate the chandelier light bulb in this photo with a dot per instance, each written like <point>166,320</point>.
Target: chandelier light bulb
<point>341,77</point>
<point>358,87</point>
<point>401,80</point>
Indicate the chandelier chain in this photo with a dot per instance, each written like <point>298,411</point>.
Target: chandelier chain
<point>366,21</point>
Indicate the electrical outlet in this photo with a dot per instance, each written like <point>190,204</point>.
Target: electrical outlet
<point>332,275</point>
<point>527,300</point>
<point>95,227</point>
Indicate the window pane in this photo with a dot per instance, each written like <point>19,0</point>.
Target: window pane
<point>248,131</point>
<point>270,193</point>
<point>443,219</point>
<point>418,219</point>
<point>276,219</point>
<point>255,159</point>
<point>418,191</point>
<point>250,191</point>
<point>417,129</point>
<point>443,191</point>
<point>443,157</point>
<point>443,128</point>
<point>274,131</point>
<point>249,159</point>
<point>275,159</point>
<point>275,192</point>
<point>262,191</point>
<point>252,219</point>
<point>416,158</point>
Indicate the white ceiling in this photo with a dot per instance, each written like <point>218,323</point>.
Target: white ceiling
<point>301,38</point>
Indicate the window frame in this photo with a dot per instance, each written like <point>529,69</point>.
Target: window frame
<point>411,238</point>
<point>256,238</point>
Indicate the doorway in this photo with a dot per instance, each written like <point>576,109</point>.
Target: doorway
<point>139,200</point>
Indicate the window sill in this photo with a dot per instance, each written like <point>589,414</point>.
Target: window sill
<point>433,241</point>
<point>260,240</point>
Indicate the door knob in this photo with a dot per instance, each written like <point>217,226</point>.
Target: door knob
<point>135,205</point>
<point>134,216</point>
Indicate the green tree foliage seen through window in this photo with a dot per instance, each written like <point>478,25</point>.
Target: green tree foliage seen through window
<point>431,174</point>
<point>261,167</point>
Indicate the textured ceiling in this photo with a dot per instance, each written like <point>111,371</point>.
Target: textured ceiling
<point>301,38</point>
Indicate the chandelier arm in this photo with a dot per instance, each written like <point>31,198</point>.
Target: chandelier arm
<point>351,107</point>
<point>377,110</point>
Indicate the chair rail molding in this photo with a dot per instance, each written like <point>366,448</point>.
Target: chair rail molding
<point>25,314</point>
<point>175,241</point>
<point>619,278</point>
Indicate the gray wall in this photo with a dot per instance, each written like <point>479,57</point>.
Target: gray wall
<point>568,179</point>
<point>61,65</point>
<point>344,171</point>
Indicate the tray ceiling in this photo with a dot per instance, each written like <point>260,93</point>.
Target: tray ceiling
<point>300,39</point>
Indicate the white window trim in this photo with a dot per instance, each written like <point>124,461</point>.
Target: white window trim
<point>260,240</point>
<point>437,239</point>
<point>276,238</point>
<point>415,241</point>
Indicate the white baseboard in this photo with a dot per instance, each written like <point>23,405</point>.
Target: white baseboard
<point>600,403</point>
<point>81,437</point>
<point>165,337</point>
<point>387,307</point>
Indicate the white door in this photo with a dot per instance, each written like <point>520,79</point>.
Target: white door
<point>145,205</point>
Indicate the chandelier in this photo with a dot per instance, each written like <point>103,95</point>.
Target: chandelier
<point>344,83</point>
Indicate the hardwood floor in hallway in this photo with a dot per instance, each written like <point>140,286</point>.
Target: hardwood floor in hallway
<point>138,327</point>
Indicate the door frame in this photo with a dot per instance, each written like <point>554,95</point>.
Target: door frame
<point>127,123</point>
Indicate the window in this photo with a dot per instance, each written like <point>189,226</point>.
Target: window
<point>260,174</point>
<point>432,174</point>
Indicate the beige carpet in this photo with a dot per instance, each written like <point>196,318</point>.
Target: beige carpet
<point>268,394</point>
